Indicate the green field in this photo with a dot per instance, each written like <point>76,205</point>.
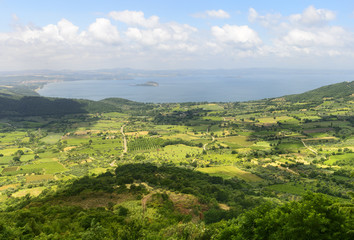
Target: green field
<point>240,141</point>
<point>288,188</point>
<point>48,167</point>
<point>338,158</point>
<point>52,138</point>
<point>228,172</point>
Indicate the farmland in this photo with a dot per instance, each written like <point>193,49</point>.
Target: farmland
<point>203,159</point>
<point>235,143</point>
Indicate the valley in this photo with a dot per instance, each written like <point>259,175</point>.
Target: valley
<point>130,170</point>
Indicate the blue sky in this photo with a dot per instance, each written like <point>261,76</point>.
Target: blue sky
<point>158,34</point>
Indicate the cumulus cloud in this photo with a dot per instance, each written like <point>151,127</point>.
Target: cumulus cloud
<point>134,18</point>
<point>304,33</point>
<point>104,31</point>
<point>212,14</point>
<point>67,29</point>
<point>313,17</point>
<point>149,37</point>
<point>217,14</point>
<point>165,37</point>
<point>147,40</point>
<point>333,36</point>
<point>63,31</point>
<point>328,41</point>
<point>268,20</point>
<point>241,36</point>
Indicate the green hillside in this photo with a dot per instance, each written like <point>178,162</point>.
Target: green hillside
<point>337,91</point>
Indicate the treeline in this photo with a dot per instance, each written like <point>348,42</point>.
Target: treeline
<point>17,105</point>
<point>144,143</point>
<point>38,106</point>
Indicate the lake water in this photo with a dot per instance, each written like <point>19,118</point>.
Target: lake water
<point>224,86</point>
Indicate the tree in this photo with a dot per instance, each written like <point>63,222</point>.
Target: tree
<point>314,217</point>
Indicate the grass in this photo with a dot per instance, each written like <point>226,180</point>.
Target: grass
<point>272,120</point>
<point>221,158</point>
<point>262,144</point>
<point>288,188</point>
<point>107,125</point>
<point>98,170</point>
<point>76,141</point>
<point>34,192</point>
<point>10,169</point>
<point>49,167</point>
<point>210,107</point>
<point>14,186</point>
<point>11,151</point>
<point>52,138</point>
<point>333,159</point>
<point>39,178</point>
<point>186,137</point>
<point>236,141</point>
<point>175,153</point>
<point>291,147</point>
<point>228,172</point>
<point>11,137</point>
<point>25,158</point>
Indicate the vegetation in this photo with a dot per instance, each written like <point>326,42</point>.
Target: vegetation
<point>277,168</point>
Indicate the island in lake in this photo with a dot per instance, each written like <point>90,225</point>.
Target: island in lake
<point>148,84</point>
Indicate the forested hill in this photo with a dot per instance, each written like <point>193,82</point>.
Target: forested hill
<point>18,105</point>
<point>341,90</point>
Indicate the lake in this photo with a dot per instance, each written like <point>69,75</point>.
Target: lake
<point>214,86</point>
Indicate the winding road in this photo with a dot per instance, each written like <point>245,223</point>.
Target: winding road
<point>205,145</point>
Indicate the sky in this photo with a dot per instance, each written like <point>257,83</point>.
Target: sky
<point>157,34</point>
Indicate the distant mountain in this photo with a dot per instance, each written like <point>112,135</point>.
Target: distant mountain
<point>336,91</point>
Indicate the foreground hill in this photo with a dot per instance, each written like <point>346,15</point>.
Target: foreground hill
<point>88,209</point>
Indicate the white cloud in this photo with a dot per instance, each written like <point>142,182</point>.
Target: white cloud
<point>167,36</point>
<point>212,14</point>
<point>327,41</point>
<point>268,20</point>
<point>217,14</point>
<point>104,31</point>
<point>307,33</point>
<point>241,36</point>
<point>135,18</point>
<point>146,40</point>
<point>148,37</point>
<point>313,17</point>
<point>67,30</point>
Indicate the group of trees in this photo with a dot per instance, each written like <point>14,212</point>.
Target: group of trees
<point>315,216</point>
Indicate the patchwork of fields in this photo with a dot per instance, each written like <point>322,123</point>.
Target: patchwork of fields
<point>271,151</point>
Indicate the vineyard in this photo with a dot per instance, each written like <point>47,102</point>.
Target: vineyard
<point>144,143</point>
